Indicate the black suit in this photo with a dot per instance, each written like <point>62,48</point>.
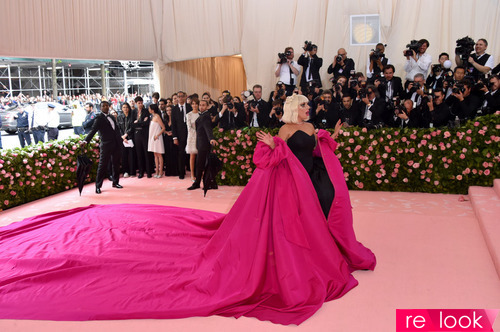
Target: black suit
<point>354,115</point>
<point>111,147</point>
<point>140,131</point>
<point>203,137</point>
<point>263,115</point>
<point>229,121</point>
<point>339,70</point>
<point>493,102</point>
<point>180,132</point>
<point>379,113</point>
<point>395,85</point>
<point>314,63</point>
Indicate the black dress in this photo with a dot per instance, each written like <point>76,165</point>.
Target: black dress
<point>302,146</point>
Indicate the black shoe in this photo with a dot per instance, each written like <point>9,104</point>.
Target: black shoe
<point>194,186</point>
<point>97,190</point>
<point>117,186</point>
<point>150,176</point>
<point>181,177</point>
<point>140,176</point>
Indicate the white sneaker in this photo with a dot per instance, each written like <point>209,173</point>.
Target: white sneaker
<point>125,175</point>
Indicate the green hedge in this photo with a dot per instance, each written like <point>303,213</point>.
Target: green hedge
<point>424,160</point>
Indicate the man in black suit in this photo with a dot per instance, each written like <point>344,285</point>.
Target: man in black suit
<point>179,130</point>
<point>374,109</point>
<point>393,86</point>
<point>204,141</point>
<point>259,109</point>
<point>351,112</point>
<point>492,96</point>
<point>311,65</point>
<point>111,146</point>
<point>231,115</point>
<point>140,131</point>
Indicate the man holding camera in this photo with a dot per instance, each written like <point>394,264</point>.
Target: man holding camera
<point>390,86</point>
<point>439,112</point>
<point>230,116</point>
<point>311,64</point>
<point>492,96</point>
<point>276,115</point>
<point>327,111</point>
<point>464,103</point>
<point>351,111</point>
<point>259,109</point>
<point>417,61</point>
<point>479,63</point>
<point>375,111</point>
<point>341,65</point>
<point>438,71</point>
<point>287,70</point>
<point>376,63</point>
<point>415,89</point>
<point>405,116</point>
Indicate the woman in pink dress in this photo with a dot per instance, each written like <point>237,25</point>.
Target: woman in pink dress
<point>274,256</point>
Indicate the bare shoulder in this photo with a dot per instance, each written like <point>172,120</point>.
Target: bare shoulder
<point>310,127</point>
<point>284,132</point>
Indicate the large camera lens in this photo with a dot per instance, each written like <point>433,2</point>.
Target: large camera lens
<point>338,58</point>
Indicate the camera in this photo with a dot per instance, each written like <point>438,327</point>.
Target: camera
<point>283,57</point>
<point>414,45</point>
<point>338,87</point>
<point>464,48</point>
<point>353,83</point>
<point>362,93</point>
<point>376,55</point>
<point>458,88</point>
<point>281,93</point>
<point>278,111</point>
<point>253,104</point>
<point>428,95</point>
<point>338,58</point>
<point>436,69</point>
<point>308,47</point>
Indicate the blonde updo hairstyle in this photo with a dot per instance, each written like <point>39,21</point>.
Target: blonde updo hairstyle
<point>291,108</point>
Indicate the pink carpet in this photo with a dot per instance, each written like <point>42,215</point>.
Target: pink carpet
<point>431,253</point>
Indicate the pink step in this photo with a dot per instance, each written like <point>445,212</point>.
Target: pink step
<point>496,186</point>
<point>486,204</point>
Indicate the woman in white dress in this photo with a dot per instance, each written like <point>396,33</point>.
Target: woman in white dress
<point>155,143</point>
<point>191,138</point>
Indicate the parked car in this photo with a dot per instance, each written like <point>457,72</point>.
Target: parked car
<point>9,122</point>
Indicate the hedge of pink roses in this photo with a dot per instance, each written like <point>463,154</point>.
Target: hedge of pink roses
<point>425,160</point>
<point>41,170</point>
<point>435,160</point>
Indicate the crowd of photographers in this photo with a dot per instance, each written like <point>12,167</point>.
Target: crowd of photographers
<point>432,95</point>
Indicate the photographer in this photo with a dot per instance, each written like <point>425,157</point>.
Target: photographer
<point>439,113</point>
<point>341,65</point>
<point>311,64</point>
<point>415,90</point>
<point>279,93</point>
<point>438,71</point>
<point>405,116</point>
<point>230,116</point>
<point>479,63</point>
<point>350,111</point>
<point>259,109</point>
<point>373,108</point>
<point>276,115</point>
<point>458,75</point>
<point>327,111</point>
<point>492,96</point>
<point>417,61</point>
<point>390,86</point>
<point>376,63</point>
<point>340,88</point>
<point>287,70</point>
<point>464,103</point>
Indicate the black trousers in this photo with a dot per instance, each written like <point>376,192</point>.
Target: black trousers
<point>129,158</point>
<point>143,157</point>
<point>182,157</point>
<point>201,164</point>
<point>107,156</point>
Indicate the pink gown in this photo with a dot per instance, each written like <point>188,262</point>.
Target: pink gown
<point>274,256</point>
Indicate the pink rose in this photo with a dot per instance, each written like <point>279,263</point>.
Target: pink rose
<point>459,177</point>
<point>447,134</point>
<point>487,172</point>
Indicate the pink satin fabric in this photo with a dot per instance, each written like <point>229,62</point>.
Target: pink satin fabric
<point>271,257</point>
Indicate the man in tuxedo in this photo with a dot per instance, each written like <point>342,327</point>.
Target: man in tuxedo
<point>204,141</point>
<point>179,130</point>
<point>140,131</point>
<point>231,115</point>
<point>259,109</point>
<point>374,109</point>
<point>393,86</point>
<point>491,102</point>
<point>111,146</point>
<point>351,112</point>
<point>311,65</point>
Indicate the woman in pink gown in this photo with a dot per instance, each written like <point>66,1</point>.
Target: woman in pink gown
<point>274,256</point>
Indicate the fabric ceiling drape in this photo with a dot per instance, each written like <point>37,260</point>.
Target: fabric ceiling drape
<point>167,31</point>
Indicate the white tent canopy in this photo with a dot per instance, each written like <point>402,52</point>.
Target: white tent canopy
<point>165,31</point>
